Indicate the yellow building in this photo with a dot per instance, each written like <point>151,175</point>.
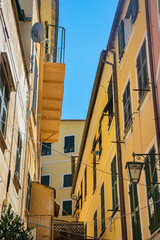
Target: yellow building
<point>31,96</point>
<point>109,204</point>
<point>56,164</point>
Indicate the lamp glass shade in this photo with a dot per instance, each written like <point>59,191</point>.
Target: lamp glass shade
<point>134,171</point>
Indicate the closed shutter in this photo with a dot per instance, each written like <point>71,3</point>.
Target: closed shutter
<point>134,9</point>
<point>95,224</point>
<point>85,183</point>
<point>159,7</point>
<point>136,226</point>
<point>94,172</point>
<point>114,184</point>
<point>18,156</point>
<point>85,231</point>
<point>35,87</point>
<point>81,194</point>
<point>121,41</point>
<point>102,208</point>
<point>28,191</point>
<point>45,180</point>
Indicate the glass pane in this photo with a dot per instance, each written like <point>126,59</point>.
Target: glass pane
<point>45,180</point>
<point>67,182</point>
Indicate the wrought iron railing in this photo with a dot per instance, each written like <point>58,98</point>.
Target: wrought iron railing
<point>55,46</point>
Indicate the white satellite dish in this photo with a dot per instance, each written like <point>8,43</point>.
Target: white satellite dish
<point>37,32</point>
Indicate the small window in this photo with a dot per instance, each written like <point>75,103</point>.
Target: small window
<point>46,149</point>
<point>67,208</point>
<point>45,180</point>
<point>69,144</point>
<point>95,224</point>
<point>35,87</point>
<point>28,191</point>
<point>102,208</point>
<point>114,184</point>
<point>142,70</point>
<point>18,155</point>
<point>67,180</point>
<point>127,109</point>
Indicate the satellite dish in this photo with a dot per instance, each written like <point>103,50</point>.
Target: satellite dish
<point>37,32</point>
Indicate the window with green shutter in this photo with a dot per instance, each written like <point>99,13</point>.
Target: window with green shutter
<point>69,144</point>
<point>135,217</point>
<point>94,173</point>
<point>114,184</point>
<point>121,40</point>
<point>142,70</point>
<point>67,207</point>
<point>95,224</point>
<point>153,194</point>
<point>85,182</point>
<point>102,208</point>
<point>127,108</point>
<point>134,10</point>
<point>28,191</point>
<point>18,155</point>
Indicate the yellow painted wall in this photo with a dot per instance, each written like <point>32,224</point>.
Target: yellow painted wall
<point>59,163</point>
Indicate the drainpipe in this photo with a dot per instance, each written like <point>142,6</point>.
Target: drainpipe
<point>152,75</point>
<point>118,146</point>
<point>10,157</point>
<point>26,144</point>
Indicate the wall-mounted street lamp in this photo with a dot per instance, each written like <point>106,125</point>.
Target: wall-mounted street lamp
<point>134,168</point>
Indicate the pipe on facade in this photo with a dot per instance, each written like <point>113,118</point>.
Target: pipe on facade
<point>118,146</point>
<point>152,75</point>
<point>26,144</point>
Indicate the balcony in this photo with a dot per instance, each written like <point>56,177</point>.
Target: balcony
<point>52,71</point>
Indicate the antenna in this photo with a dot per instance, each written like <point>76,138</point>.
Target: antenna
<point>37,32</point>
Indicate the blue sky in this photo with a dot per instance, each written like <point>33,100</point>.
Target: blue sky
<point>87,24</point>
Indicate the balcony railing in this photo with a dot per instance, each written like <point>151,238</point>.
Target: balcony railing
<point>55,47</point>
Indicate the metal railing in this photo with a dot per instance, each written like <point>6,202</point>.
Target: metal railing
<point>55,46</point>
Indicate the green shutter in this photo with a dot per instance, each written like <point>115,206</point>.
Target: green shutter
<point>85,183</point>
<point>94,172</point>
<point>35,87</point>
<point>114,183</point>
<point>121,41</point>
<point>95,224</point>
<point>102,208</point>
<point>134,9</point>
<point>159,6</point>
<point>18,156</point>
<point>28,191</point>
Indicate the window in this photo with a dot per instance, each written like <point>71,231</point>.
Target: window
<point>159,7</point>
<point>45,180</point>
<point>67,180</point>
<point>81,194</point>
<point>28,191</point>
<point>46,149</point>
<point>114,184</point>
<point>102,208</point>
<point>136,226</point>
<point>85,231</point>
<point>4,95</point>
<point>153,195</point>
<point>18,156</point>
<point>34,103</point>
<point>142,71</point>
<point>126,25</point>
<point>69,143</point>
<point>95,224</point>
<point>67,207</point>
<point>109,106</point>
<point>127,109</point>
<point>85,182</point>
<point>94,173</point>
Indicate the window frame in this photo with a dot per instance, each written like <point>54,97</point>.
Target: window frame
<point>46,155</point>
<point>44,175</point>
<point>65,152</point>
<point>63,175</point>
<point>128,120</point>
<point>114,184</point>
<point>66,200</point>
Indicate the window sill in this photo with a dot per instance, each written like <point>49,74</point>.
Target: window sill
<point>3,144</point>
<point>16,183</point>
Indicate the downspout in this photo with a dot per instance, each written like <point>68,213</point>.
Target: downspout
<point>152,76</point>
<point>25,156</point>
<point>118,146</point>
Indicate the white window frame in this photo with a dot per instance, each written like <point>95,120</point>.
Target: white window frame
<point>65,200</point>
<point>70,135</point>
<point>63,174</point>
<point>47,174</point>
